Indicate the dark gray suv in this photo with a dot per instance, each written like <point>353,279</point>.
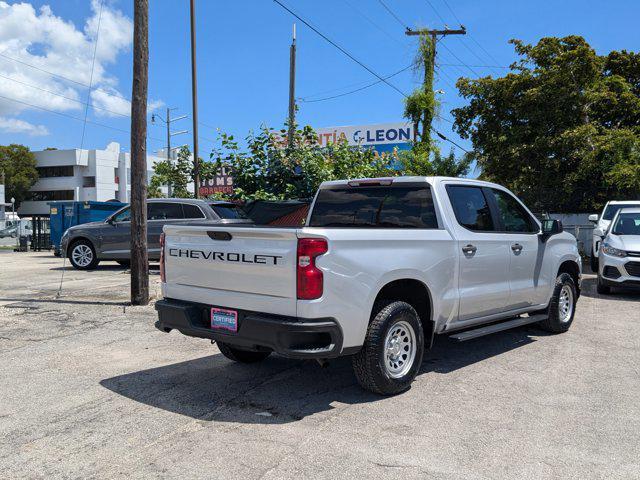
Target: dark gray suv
<point>85,245</point>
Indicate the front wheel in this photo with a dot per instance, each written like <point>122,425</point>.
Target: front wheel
<point>594,262</point>
<point>82,255</point>
<point>392,351</point>
<point>601,288</point>
<point>242,356</point>
<point>562,306</point>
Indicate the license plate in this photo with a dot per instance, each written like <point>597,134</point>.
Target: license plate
<point>224,319</point>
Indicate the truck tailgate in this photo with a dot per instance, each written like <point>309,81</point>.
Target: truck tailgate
<point>240,267</point>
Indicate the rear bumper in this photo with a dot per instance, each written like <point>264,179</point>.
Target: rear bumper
<point>287,336</point>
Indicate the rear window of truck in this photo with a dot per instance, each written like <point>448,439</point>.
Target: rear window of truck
<point>394,206</point>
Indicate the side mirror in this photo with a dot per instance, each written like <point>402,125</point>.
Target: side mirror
<point>593,218</point>
<point>550,228</point>
<point>111,221</point>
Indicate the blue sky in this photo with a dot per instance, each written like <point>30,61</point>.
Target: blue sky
<point>243,55</point>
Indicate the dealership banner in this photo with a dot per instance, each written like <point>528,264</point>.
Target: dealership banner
<point>383,137</point>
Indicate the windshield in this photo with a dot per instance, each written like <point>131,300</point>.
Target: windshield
<point>228,210</point>
<point>627,224</point>
<point>611,210</point>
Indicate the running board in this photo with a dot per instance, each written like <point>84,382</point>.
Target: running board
<point>496,327</point>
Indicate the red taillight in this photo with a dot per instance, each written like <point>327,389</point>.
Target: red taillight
<point>163,277</point>
<point>309,276</point>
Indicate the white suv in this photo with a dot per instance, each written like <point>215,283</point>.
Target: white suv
<point>602,223</point>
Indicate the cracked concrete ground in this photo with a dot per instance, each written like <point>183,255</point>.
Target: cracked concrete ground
<point>90,389</point>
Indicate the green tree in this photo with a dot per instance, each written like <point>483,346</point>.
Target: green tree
<point>269,170</point>
<point>19,166</point>
<point>178,174</point>
<point>562,128</point>
<point>421,162</point>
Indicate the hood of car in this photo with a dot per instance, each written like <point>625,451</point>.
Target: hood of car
<point>630,243</point>
<point>86,225</point>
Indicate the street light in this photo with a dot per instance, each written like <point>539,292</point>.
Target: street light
<point>13,218</point>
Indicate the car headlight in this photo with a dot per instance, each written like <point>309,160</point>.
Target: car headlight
<point>614,252</point>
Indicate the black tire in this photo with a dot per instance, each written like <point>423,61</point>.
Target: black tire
<point>601,288</point>
<point>370,363</point>
<point>83,263</point>
<point>242,356</point>
<point>594,262</point>
<point>556,321</point>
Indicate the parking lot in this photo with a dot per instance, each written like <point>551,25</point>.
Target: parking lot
<point>90,389</point>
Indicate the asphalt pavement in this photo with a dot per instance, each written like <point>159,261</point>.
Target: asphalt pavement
<point>90,389</point>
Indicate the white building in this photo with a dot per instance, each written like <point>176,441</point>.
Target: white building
<point>81,175</point>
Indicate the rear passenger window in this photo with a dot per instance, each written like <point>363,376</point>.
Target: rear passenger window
<point>164,211</point>
<point>471,207</point>
<point>374,207</point>
<point>192,211</point>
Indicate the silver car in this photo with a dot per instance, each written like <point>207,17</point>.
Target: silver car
<point>85,245</point>
<point>619,255</point>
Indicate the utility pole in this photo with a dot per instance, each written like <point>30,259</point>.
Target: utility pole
<point>167,122</point>
<point>292,88</point>
<point>429,73</point>
<point>139,255</point>
<point>194,103</point>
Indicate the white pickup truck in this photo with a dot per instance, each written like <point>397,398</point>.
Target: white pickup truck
<point>381,267</point>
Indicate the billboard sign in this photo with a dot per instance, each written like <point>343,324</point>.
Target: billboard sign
<point>383,137</point>
<point>221,183</point>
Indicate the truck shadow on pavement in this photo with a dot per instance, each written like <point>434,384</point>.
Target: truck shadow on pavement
<point>281,390</point>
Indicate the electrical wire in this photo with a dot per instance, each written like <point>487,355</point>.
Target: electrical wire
<point>70,116</point>
<point>63,96</point>
<point>353,7</point>
<point>304,100</point>
<point>62,77</point>
<point>339,48</point>
<point>404,24</point>
<point>443,137</point>
<point>93,65</point>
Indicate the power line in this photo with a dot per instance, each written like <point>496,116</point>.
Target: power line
<point>460,60</point>
<point>62,96</point>
<point>339,48</point>
<point>93,65</point>
<point>436,12</point>
<point>353,7</point>
<point>357,89</point>
<point>477,66</point>
<point>62,77</point>
<point>69,116</point>
<point>471,36</point>
<point>382,79</point>
<point>404,24</point>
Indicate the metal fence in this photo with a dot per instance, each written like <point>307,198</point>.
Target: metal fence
<point>579,225</point>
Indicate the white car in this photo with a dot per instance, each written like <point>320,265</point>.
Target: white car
<point>602,222</point>
<point>381,267</point>
<point>620,252</point>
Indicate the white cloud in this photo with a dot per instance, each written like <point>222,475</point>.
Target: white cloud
<point>48,42</point>
<point>14,125</point>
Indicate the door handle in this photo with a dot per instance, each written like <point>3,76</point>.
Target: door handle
<point>516,247</point>
<point>469,249</point>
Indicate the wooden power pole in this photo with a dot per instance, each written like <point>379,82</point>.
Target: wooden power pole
<point>194,103</point>
<point>139,255</point>
<point>292,88</point>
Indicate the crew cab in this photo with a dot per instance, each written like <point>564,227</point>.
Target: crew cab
<point>380,267</point>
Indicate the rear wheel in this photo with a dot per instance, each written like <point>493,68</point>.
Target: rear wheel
<point>562,306</point>
<point>242,356</point>
<point>82,255</point>
<point>392,351</point>
<point>601,288</point>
